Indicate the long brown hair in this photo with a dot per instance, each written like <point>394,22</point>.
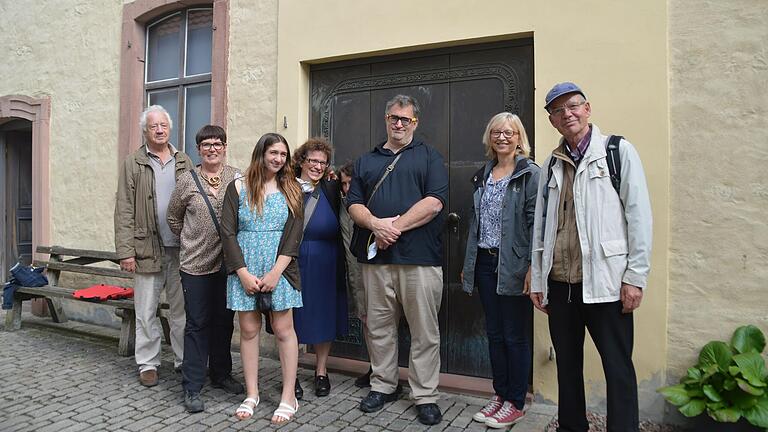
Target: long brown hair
<point>255,177</point>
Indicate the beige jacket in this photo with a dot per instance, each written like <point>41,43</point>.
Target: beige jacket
<point>136,233</point>
<point>615,230</point>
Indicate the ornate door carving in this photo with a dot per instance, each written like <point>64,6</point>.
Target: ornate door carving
<point>459,89</point>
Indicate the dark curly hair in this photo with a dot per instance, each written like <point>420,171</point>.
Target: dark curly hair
<point>348,169</point>
<point>312,144</point>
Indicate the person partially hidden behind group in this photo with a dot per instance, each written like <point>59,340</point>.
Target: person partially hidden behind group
<point>261,229</point>
<point>193,215</point>
<point>321,260</point>
<point>355,290</point>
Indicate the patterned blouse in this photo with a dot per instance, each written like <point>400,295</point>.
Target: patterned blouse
<point>490,212</point>
<point>189,217</point>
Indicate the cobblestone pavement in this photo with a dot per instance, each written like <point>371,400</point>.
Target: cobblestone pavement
<point>57,379</point>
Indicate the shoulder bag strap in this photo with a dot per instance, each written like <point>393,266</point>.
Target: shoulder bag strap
<point>389,169</point>
<point>207,202</point>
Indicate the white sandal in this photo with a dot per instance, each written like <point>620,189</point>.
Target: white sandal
<point>285,412</point>
<point>245,408</point>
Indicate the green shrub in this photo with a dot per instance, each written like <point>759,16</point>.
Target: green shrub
<point>728,382</point>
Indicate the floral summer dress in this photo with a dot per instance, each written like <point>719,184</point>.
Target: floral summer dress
<point>259,237</point>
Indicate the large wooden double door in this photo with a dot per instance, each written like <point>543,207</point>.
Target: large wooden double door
<point>459,90</point>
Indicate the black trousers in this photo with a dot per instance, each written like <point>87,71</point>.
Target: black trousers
<point>208,333</point>
<point>612,332</point>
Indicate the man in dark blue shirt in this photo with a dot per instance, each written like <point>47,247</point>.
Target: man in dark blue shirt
<point>402,265</point>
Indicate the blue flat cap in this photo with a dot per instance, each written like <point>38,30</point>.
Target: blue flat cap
<point>561,89</point>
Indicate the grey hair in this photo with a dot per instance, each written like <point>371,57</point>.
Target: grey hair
<point>150,109</point>
<point>403,101</point>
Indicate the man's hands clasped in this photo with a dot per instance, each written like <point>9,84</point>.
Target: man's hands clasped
<point>385,231</point>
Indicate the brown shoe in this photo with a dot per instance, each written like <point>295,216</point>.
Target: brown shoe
<point>148,378</point>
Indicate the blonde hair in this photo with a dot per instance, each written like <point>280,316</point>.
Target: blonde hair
<point>503,117</point>
<point>286,181</point>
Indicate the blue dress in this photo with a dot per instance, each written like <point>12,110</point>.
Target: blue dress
<point>258,237</point>
<point>324,315</point>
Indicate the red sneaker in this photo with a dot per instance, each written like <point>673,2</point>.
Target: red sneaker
<point>488,410</point>
<point>506,416</point>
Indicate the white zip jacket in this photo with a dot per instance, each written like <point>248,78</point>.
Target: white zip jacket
<point>615,240</point>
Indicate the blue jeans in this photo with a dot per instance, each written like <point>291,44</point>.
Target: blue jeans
<point>507,322</point>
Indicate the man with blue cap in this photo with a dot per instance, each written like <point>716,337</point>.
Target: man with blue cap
<point>591,257</point>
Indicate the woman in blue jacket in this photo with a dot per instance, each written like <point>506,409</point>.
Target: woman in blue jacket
<point>497,262</point>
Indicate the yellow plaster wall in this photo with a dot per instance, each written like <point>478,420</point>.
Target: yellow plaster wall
<point>69,50</point>
<point>617,51</point>
<point>719,182</point>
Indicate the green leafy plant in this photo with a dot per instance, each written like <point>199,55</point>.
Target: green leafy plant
<point>730,381</point>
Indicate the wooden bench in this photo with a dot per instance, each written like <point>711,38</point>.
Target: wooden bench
<point>80,261</point>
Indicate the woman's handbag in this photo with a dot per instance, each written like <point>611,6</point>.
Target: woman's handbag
<point>264,301</point>
<point>359,242</point>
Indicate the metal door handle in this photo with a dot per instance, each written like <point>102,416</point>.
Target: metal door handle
<point>453,221</point>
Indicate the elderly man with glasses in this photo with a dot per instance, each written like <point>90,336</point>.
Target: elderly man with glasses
<point>400,250</point>
<point>591,257</point>
<point>145,243</point>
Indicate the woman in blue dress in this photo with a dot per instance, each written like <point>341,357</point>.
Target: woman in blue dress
<point>261,229</point>
<point>321,260</point>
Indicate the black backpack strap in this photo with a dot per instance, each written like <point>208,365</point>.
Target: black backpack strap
<point>545,195</point>
<point>552,161</point>
<point>614,160</point>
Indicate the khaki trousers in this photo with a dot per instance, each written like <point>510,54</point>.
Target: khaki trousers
<point>416,291</point>
<point>146,297</point>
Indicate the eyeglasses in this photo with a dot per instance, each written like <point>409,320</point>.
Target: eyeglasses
<point>321,164</point>
<point>216,145</point>
<point>506,133</point>
<point>405,121</point>
<point>157,126</point>
<point>572,107</point>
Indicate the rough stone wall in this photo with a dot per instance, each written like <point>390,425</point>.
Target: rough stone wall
<point>69,50</point>
<point>252,91</point>
<point>719,181</point>
<point>252,80</point>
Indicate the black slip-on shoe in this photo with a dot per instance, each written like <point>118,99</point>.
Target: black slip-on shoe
<point>322,385</point>
<point>364,380</point>
<point>298,391</point>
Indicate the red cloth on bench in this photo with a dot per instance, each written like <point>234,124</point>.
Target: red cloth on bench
<point>103,292</point>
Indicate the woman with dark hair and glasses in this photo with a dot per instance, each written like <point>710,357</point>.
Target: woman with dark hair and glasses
<point>209,327</point>
<point>261,225</point>
<point>321,260</point>
<point>497,262</point>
